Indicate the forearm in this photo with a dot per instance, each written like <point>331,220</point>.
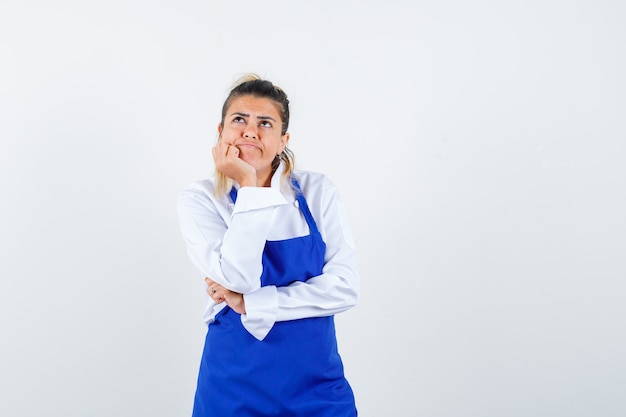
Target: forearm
<point>319,296</point>
<point>240,258</point>
<point>228,247</point>
<point>335,290</point>
<point>332,292</point>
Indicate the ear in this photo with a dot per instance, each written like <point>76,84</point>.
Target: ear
<point>284,140</point>
<point>219,128</point>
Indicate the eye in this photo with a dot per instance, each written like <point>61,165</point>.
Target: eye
<point>238,119</point>
<point>265,123</point>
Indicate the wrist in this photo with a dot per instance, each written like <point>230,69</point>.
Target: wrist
<point>248,181</point>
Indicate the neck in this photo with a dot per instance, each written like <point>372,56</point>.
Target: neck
<point>264,179</point>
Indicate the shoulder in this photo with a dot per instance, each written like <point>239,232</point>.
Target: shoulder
<point>318,189</point>
<point>201,192</point>
<point>204,187</point>
<point>313,180</point>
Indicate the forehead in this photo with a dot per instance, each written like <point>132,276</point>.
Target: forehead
<point>254,106</point>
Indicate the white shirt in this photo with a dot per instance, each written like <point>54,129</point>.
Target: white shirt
<point>225,241</point>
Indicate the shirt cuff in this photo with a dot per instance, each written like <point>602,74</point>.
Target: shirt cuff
<point>254,198</point>
<point>261,311</point>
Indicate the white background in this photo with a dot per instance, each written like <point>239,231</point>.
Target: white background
<point>479,146</point>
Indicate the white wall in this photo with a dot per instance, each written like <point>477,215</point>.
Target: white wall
<point>479,146</point>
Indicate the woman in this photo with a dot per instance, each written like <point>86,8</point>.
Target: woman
<point>279,259</point>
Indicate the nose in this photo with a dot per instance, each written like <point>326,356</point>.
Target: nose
<point>250,131</point>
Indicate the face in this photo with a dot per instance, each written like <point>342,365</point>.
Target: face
<point>253,125</point>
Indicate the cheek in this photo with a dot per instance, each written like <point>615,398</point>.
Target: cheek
<point>230,133</point>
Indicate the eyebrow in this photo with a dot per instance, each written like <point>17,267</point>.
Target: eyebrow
<point>258,117</point>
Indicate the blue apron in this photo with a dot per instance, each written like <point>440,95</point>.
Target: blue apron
<point>296,370</point>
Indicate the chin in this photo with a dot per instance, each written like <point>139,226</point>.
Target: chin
<point>251,161</point>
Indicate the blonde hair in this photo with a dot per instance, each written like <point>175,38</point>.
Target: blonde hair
<point>253,85</point>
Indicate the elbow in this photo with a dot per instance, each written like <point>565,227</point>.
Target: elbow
<point>241,269</point>
<point>239,281</point>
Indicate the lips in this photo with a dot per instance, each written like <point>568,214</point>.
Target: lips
<point>247,145</point>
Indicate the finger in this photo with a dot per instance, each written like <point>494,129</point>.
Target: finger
<point>216,296</point>
<point>232,151</point>
<point>220,149</point>
<point>212,287</point>
<point>219,152</point>
<point>220,295</point>
<point>217,292</point>
<point>225,298</point>
<point>223,146</point>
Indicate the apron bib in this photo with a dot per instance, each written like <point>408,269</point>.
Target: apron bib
<point>296,370</point>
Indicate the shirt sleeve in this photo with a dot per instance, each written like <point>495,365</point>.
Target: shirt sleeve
<point>334,291</point>
<point>228,248</point>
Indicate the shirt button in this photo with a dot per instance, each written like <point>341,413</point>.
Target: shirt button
<point>296,203</point>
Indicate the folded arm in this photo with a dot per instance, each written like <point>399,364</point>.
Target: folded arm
<point>228,248</point>
<point>334,291</point>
